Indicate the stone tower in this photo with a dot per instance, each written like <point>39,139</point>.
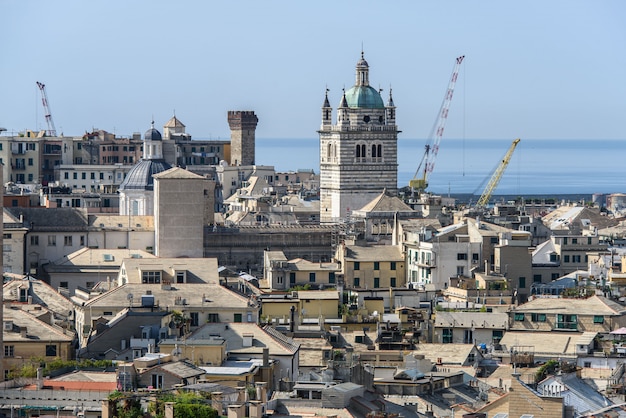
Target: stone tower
<point>242,128</point>
<point>359,153</point>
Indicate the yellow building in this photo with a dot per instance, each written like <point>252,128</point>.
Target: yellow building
<point>372,267</point>
<point>26,337</point>
<point>307,304</point>
<point>199,351</point>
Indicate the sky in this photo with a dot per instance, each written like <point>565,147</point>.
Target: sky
<point>532,69</point>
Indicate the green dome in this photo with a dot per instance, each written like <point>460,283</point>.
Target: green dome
<point>364,97</point>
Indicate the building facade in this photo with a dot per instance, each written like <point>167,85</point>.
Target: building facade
<point>358,154</point>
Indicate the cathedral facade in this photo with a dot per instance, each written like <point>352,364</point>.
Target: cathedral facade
<point>359,152</point>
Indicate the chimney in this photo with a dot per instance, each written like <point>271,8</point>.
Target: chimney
<point>261,391</point>
<point>247,339</point>
<point>30,300</point>
<point>169,409</point>
<point>266,356</point>
<point>39,377</point>
<point>24,332</point>
<point>216,402</point>
<point>236,411</point>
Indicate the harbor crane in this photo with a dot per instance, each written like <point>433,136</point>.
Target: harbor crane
<point>44,99</point>
<point>419,182</point>
<point>497,174</point>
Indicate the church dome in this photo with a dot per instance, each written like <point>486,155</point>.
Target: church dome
<point>152,134</point>
<point>364,97</point>
<point>140,176</point>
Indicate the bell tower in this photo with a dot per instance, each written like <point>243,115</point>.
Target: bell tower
<point>359,152</point>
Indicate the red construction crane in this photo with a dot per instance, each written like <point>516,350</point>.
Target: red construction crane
<point>419,182</point>
<point>44,99</point>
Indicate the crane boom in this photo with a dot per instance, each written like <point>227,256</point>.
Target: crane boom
<point>427,163</point>
<point>44,99</point>
<point>495,178</point>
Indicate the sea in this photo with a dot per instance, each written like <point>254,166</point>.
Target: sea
<point>537,168</point>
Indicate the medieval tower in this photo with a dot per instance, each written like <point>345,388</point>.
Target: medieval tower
<point>359,153</point>
<point>242,129</point>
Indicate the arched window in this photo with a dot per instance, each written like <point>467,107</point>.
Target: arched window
<point>379,154</point>
<point>374,155</point>
<point>358,151</point>
<point>363,153</point>
<point>329,151</point>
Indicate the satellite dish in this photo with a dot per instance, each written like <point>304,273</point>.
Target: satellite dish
<point>172,325</point>
<point>129,296</point>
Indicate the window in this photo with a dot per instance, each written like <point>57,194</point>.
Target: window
<point>461,256</point>
<point>566,258</point>
<point>392,265</point>
<point>107,313</point>
<point>150,277</point>
<point>292,278</point>
<point>589,240</point>
<point>93,176</point>
<point>157,381</point>
<point>75,176</point>
<point>64,285</point>
<point>311,277</point>
<point>82,240</point>
<point>213,317</point>
<point>30,161</point>
<point>598,319</point>
<point>180,277</point>
<point>446,336</point>
<point>6,248</point>
<point>493,240</point>
<point>565,241</point>
<point>496,335</point>
<point>238,317</point>
<point>376,265</point>
<point>538,317</point>
<point>357,282</point>
<point>357,265</point>
<point>522,282</point>
<point>331,277</point>
<point>566,321</point>
<point>52,240</point>
<point>83,175</point>
<point>9,350</point>
<point>195,318</point>
<point>576,259</point>
<point>376,282</point>
<point>51,350</point>
<point>475,257</point>
<point>518,317</point>
<point>67,240</point>
<point>460,270</point>
<point>34,240</point>
<point>392,282</point>
<point>537,278</point>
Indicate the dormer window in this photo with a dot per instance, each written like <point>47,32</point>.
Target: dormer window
<point>149,277</point>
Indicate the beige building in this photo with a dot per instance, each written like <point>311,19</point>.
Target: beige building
<point>372,267</point>
<point>88,267</point>
<point>184,204</point>
<point>593,314</point>
<point>469,327</point>
<point>13,245</point>
<point>198,303</point>
<point>281,274</point>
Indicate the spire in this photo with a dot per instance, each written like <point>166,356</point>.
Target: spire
<point>326,102</point>
<point>344,102</point>
<point>362,71</point>
<point>390,101</point>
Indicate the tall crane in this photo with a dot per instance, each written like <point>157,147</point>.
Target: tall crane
<point>497,174</point>
<point>44,99</point>
<point>419,182</point>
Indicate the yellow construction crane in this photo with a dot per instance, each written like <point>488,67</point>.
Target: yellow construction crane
<point>495,178</point>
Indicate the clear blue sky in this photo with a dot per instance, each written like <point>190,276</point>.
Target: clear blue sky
<point>533,69</point>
